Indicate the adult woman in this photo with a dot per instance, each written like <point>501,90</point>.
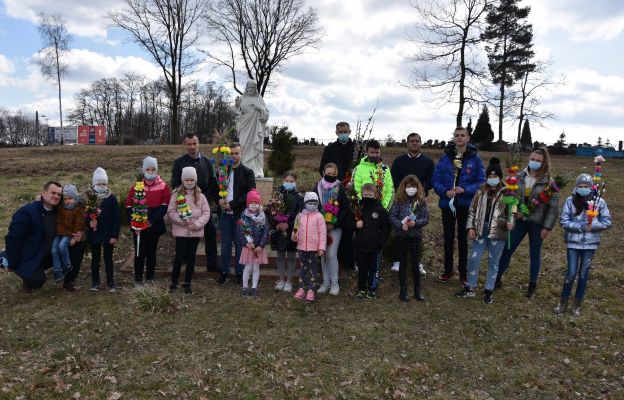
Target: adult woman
<point>456,178</point>
<point>538,192</point>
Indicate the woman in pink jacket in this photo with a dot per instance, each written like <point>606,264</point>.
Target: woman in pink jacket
<point>310,233</point>
<point>188,211</point>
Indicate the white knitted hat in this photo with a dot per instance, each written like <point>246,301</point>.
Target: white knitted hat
<point>189,173</point>
<point>309,197</point>
<point>150,161</point>
<point>99,176</point>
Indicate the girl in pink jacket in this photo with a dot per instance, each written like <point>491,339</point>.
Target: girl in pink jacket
<point>188,211</point>
<point>310,233</point>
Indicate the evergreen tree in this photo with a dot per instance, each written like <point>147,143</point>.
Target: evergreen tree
<point>526,139</point>
<point>509,52</point>
<point>483,133</point>
<point>282,158</point>
<point>599,144</point>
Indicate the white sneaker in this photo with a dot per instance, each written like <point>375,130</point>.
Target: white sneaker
<point>288,287</point>
<point>422,270</point>
<point>323,289</point>
<point>279,285</point>
<point>395,266</point>
<point>334,289</point>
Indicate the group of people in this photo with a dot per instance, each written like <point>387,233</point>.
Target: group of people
<point>345,219</point>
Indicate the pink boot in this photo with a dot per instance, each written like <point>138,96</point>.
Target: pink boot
<point>310,296</point>
<point>300,294</point>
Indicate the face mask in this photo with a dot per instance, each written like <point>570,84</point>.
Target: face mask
<point>534,165</point>
<point>311,206</point>
<point>368,201</point>
<point>189,186</point>
<point>343,137</point>
<point>374,160</point>
<point>330,179</point>
<point>253,207</point>
<point>583,192</point>
<point>100,189</point>
<point>289,185</point>
<point>411,191</point>
<point>493,181</point>
<point>149,177</point>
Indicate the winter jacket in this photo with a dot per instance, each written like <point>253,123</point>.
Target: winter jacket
<point>343,205</point>
<point>574,235</point>
<point>200,215</point>
<point>498,213</point>
<point>108,222</point>
<point>421,166</point>
<point>362,175</point>
<point>206,179</point>
<point>546,214</point>
<point>399,211</point>
<point>339,154</point>
<point>280,241</point>
<point>157,194</point>
<point>244,181</point>
<point>373,235</point>
<point>259,232</point>
<point>70,221</point>
<point>471,176</point>
<point>311,233</point>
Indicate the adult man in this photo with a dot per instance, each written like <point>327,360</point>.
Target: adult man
<point>339,152</point>
<point>241,181</point>
<point>207,182</point>
<point>29,241</point>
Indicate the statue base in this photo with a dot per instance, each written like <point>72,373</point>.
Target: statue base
<point>265,187</point>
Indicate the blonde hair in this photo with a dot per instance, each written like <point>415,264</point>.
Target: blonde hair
<point>401,196</point>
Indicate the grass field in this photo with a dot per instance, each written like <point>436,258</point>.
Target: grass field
<point>145,344</point>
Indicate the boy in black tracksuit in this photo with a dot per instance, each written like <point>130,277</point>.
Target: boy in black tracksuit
<point>371,232</point>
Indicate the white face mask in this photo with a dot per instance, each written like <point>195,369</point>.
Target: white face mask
<point>311,207</point>
<point>189,186</point>
<point>411,191</point>
<point>254,207</point>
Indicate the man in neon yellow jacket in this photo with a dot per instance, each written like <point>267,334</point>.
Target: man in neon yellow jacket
<point>372,170</point>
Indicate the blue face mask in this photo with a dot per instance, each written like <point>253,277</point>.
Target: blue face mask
<point>534,165</point>
<point>290,185</point>
<point>584,192</point>
<point>149,177</point>
<point>343,137</point>
<point>493,181</point>
<point>100,189</point>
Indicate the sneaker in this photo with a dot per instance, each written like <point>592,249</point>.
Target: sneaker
<point>323,289</point>
<point>95,287</point>
<point>421,269</point>
<point>487,297</point>
<point>465,292</point>
<point>173,288</point>
<point>445,277</point>
<point>531,290</point>
<point>498,284</point>
<point>310,296</point>
<point>222,278</point>
<point>300,294</point>
<point>361,294</point>
<point>112,287</point>
<point>334,289</point>
<point>4,262</point>
<point>244,292</point>
<point>288,287</point>
<point>58,276</point>
<point>371,295</point>
<point>395,266</point>
<point>279,286</point>
<point>239,279</point>
<point>253,292</point>
<point>187,288</point>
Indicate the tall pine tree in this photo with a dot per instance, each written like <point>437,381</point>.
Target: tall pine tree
<point>483,133</point>
<point>526,139</point>
<point>509,51</point>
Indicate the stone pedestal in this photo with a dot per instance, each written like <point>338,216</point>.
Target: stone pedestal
<point>265,187</point>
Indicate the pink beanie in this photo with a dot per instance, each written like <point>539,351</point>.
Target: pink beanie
<point>253,197</point>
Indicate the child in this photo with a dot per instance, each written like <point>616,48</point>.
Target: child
<point>281,231</point>
<point>157,196</point>
<point>371,232</point>
<point>187,229</point>
<point>488,225</point>
<point>252,232</point>
<point>582,238</point>
<point>408,215</point>
<point>104,231</point>
<point>311,236</point>
<point>70,219</point>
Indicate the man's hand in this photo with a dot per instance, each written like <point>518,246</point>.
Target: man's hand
<point>459,190</point>
<point>450,193</point>
<point>112,241</point>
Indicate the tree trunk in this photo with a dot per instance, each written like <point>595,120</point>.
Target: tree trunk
<point>462,98</point>
<point>58,77</point>
<point>500,111</point>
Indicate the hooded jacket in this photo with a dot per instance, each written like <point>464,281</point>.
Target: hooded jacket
<point>362,174</point>
<point>471,176</point>
<point>574,234</point>
<point>157,194</point>
<point>373,235</point>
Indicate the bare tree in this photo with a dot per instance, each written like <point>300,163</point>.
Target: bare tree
<point>261,35</point>
<point>167,30</point>
<point>448,60</point>
<point>55,45</point>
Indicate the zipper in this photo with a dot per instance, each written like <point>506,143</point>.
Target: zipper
<point>306,230</point>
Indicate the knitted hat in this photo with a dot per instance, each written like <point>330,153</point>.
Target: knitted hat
<point>148,162</point>
<point>494,168</point>
<point>310,197</point>
<point>253,197</point>
<point>71,191</point>
<point>99,176</point>
<point>189,173</point>
<point>584,178</point>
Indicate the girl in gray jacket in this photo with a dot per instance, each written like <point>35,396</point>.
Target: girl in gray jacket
<point>582,238</point>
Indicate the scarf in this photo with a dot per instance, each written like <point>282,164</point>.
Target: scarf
<point>258,219</point>
<point>326,189</point>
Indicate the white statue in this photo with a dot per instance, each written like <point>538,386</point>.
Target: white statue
<point>252,118</point>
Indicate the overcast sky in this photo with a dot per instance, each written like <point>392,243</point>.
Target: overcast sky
<point>361,59</point>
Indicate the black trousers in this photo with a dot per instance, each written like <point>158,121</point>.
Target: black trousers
<point>367,269</point>
<point>96,255</point>
<point>448,224</point>
<point>345,248</point>
<point>210,244</point>
<point>38,278</point>
<point>147,255</point>
<point>76,254</point>
<point>409,251</point>
<point>185,249</point>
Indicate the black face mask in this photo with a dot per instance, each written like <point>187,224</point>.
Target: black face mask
<point>330,179</point>
<point>374,160</point>
<point>368,202</point>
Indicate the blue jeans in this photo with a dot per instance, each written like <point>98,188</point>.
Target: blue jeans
<point>494,248</point>
<point>228,236</point>
<point>60,253</point>
<point>576,257</point>
<point>535,248</point>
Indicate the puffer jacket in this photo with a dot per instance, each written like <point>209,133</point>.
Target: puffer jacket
<point>545,215</point>
<point>259,232</point>
<point>574,235</point>
<point>498,213</point>
<point>399,211</point>
<point>471,176</point>
<point>362,175</point>
<point>375,231</point>
<point>157,194</point>
<point>200,215</point>
<point>70,221</point>
<point>311,233</point>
